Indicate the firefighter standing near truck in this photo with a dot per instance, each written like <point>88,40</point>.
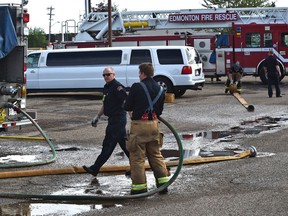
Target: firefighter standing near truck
<point>234,77</point>
<point>272,70</point>
<point>145,104</point>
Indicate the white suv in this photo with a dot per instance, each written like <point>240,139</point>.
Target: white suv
<point>177,68</point>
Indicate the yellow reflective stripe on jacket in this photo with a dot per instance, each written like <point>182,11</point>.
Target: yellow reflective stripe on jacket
<point>163,180</point>
<point>137,187</point>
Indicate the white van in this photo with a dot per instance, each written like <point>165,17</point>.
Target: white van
<point>177,68</point>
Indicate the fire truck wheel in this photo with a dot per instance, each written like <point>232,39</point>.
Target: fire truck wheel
<point>263,76</point>
<point>165,83</point>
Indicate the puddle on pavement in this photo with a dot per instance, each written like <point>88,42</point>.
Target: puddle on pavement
<point>37,209</point>
<point>198,144</point>
<point>222,143</point>
<point>194,144</point>
<point>17,158</point>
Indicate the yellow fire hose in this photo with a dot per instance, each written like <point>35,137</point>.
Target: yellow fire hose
<point>249,107</point>
<point>233,90</point>
<point>123,168</point>
<point>22,137</point>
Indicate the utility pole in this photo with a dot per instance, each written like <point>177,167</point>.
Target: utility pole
<point>50,14</point>
<point>110,23</point>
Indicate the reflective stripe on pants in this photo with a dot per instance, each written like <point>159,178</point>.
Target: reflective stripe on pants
<point>139,187</point>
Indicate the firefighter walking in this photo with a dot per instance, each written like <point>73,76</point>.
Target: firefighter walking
<point>145,104</point>
<point>234,77</point>
<point>114,95</point>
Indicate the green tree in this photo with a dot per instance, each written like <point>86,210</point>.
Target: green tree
<point>237,3</point>
<point>37,38</point>
<point>102,7</point>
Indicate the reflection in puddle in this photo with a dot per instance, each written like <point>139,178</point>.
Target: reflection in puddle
<point>33,209</point>
<point>17,158</point>
<point>188,154</point>
<point>219,143</point>
<point>265,154</point>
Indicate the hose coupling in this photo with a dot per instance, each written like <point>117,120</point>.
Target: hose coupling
<point>8,91</point>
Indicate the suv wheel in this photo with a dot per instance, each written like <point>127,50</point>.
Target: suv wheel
<point>179,93</point>
<point>165,83</point>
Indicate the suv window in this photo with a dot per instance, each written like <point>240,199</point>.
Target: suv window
<point>33,60</point>
<point>170,56</point>
<point>111,57</point>
<point>140,56</point>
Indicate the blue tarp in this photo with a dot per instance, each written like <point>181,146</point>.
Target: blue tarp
<point>221,41</point>
<point>212,58</point>
<point>8,37</point>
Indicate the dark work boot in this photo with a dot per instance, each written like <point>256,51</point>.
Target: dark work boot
<point>133,192</point>
<point>164,191</point>
<point>90,171</point>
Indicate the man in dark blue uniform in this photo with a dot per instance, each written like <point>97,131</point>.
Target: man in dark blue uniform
<point>145,138</point>
<point>272,69</point>
<point>114,95</point>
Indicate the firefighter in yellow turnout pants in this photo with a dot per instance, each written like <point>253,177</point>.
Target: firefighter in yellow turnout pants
<point>145,104</point>
<point>234,77</point>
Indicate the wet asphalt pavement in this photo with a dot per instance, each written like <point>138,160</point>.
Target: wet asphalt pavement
<point>251,186</point>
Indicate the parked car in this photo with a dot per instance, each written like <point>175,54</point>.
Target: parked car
<point>177,68</point>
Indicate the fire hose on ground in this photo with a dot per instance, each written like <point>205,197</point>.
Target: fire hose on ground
<point>119,169</point>
<point>50,160</point>
<point>81,170</point>
<point>233,90</point>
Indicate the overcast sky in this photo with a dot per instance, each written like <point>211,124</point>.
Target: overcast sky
<point>74,9</point>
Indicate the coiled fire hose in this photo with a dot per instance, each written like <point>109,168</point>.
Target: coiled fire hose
<point>103,197</point>
<point>50,160</point>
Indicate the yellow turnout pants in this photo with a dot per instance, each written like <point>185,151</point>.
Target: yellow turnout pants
<point>145,140</point>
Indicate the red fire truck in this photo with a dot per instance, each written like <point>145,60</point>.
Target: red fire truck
<point>13,61</point>
<point>254,31</point>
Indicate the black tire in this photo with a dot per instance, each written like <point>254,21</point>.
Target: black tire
<point>180,92</point>
<point>263,76</point>
<point>4,130</point>
<point>165,83</point>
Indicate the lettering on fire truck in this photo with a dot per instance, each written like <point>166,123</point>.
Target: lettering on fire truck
<point>206,17</point>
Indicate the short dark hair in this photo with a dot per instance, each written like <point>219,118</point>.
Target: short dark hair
<point>147,68</point>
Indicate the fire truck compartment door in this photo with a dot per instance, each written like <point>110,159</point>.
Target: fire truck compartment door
<point>220,62</point>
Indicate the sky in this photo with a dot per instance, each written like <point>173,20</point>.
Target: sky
<point>71,11</point>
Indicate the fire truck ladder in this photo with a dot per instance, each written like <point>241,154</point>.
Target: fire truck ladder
<point>95,25</point>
